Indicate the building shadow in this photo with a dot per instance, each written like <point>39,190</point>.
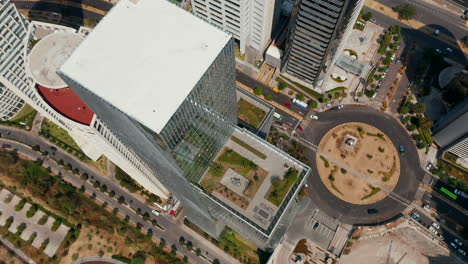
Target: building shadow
<point>74,13</point>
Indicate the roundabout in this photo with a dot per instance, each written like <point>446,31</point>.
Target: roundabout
<point>358,176</point>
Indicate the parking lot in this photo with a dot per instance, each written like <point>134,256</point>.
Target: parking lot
<point>43,232</point>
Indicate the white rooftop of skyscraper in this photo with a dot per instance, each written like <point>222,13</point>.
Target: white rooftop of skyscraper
<point>144,57</point>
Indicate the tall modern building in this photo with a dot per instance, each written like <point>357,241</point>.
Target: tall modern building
<point>251,22</point>
<point>451,131</point>
<point>167,92</point>
<point>12,31</point>
<point>315,32</point>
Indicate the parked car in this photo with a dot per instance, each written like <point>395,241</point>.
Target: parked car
<point>427,208</point>
<point>449,50</point>
<point>415,216</point>
<point>6,146</point>
<point>287,104</point>
<point>372,211</point>
<point>155,212</point>
<point>340,106</point>
<point>300,128</point>
<point>316,225</point>
<point>458,242</point>
<point>453,245</point>
<point>433,230</point>
<point>373,20</point>
<point>462,252</point>
<point>314,117</point>
<point>435,225</point>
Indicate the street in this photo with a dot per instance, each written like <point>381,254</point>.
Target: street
<point>172,229</point>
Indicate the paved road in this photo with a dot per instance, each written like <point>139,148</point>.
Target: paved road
<point>429,14</point>
<point>277,97</point>
<point>64,10</point>
<point>409,162</point>
<point>448,236</point>
<point>173,230</point>
<point>423,40</point>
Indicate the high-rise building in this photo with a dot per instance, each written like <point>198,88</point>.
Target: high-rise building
<point>251,22</point>
<point>30,54</point>
<point>167,92</point>
<point>157,96</point>
<point>12,31</point>
<point>315,32</point>
<point>451,131</point>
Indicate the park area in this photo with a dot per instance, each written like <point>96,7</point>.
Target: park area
<point>249,113</point>
<point>358,163</point>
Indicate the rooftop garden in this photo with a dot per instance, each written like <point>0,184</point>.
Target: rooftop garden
<point>230,159</point>
<point>249,113</point>
<point>279,188</point>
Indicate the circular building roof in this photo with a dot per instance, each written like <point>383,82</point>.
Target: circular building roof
<point>49,54</point>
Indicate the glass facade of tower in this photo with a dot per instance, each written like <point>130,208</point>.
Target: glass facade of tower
<point>206,119</point>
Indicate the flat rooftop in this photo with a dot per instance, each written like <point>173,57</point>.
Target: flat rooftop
<point>145,57</point>
<point>245,188</point>
<point>49,54</point>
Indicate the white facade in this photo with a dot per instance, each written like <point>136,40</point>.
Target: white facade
<point>249,21</point>
<point>12,32</point>
<point>94,139</point>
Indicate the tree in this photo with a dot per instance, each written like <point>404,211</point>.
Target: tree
<point>367,16</point>
<point>189,245</point>
<point>405,11</point>
<point>181,240</point>
<point>396,29</point>
<point>300,97</point>
<point>282,85</point>
<point>387,60</point>
<point>425,123</point>
<point>419,108</point>
<point>404,110</point>
<point>313,104</point>
<point>268,97</point>
<point>216,261</point>
<point>258,91</point>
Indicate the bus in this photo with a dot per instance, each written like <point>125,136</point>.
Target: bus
<point>448,193</point>
<point>278,116</point>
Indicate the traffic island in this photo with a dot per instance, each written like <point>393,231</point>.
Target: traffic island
<point>358,163</point>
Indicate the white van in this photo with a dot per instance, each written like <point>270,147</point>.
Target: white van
<point>278,116</point>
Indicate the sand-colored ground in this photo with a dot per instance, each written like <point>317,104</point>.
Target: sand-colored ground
<point>364,173</point>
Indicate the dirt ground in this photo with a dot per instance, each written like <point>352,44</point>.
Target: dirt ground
<point>373,157</point>
<point>7,257</point>
<point>403,245</point>
<point>91,241</point>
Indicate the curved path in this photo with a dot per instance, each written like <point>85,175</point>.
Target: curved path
<point>402,194</point>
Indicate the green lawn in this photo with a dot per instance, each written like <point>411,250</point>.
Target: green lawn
<point>229,159</point>
<point>249,113</point>
<point>58,133</point>
<point>239,247</point>
<point>248,147</point>
<point>276,194</point>
<point>24,118</point>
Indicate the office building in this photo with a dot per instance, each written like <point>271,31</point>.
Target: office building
<point>250,22</point>
<point>31,53</point>
<point>451,131</point>
<point>315,32</point>
<point>171,98</point>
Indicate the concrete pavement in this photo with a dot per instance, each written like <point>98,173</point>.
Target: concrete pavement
<point>172,230</point>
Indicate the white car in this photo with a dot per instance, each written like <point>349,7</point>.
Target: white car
<point>427,208</point>
<point>436,226</point>
<point>462,252</point>
<point>433,230</point>
<point>449,50</point>
<point>155,212</point>
<point>314,117</point>
<point>340,106</point>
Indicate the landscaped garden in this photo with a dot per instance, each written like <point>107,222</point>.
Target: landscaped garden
<point>96,231</point>
<point>280,188</point>
<point>229,159</point>
<point>249,113</point>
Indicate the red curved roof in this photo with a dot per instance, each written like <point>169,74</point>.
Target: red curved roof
<point>67,103</point>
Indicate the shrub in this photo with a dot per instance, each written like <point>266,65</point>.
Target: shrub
<point>367,16</point>
<point>405,11</point>
<point>313,104</point>
<point>300,97</point>
<point>404,110</point>
<point>282,85</point>
<point>258,91</point>
<point>343,171</point>
<point>268,97</point>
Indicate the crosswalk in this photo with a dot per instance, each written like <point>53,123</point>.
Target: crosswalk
<point>408,210</point>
